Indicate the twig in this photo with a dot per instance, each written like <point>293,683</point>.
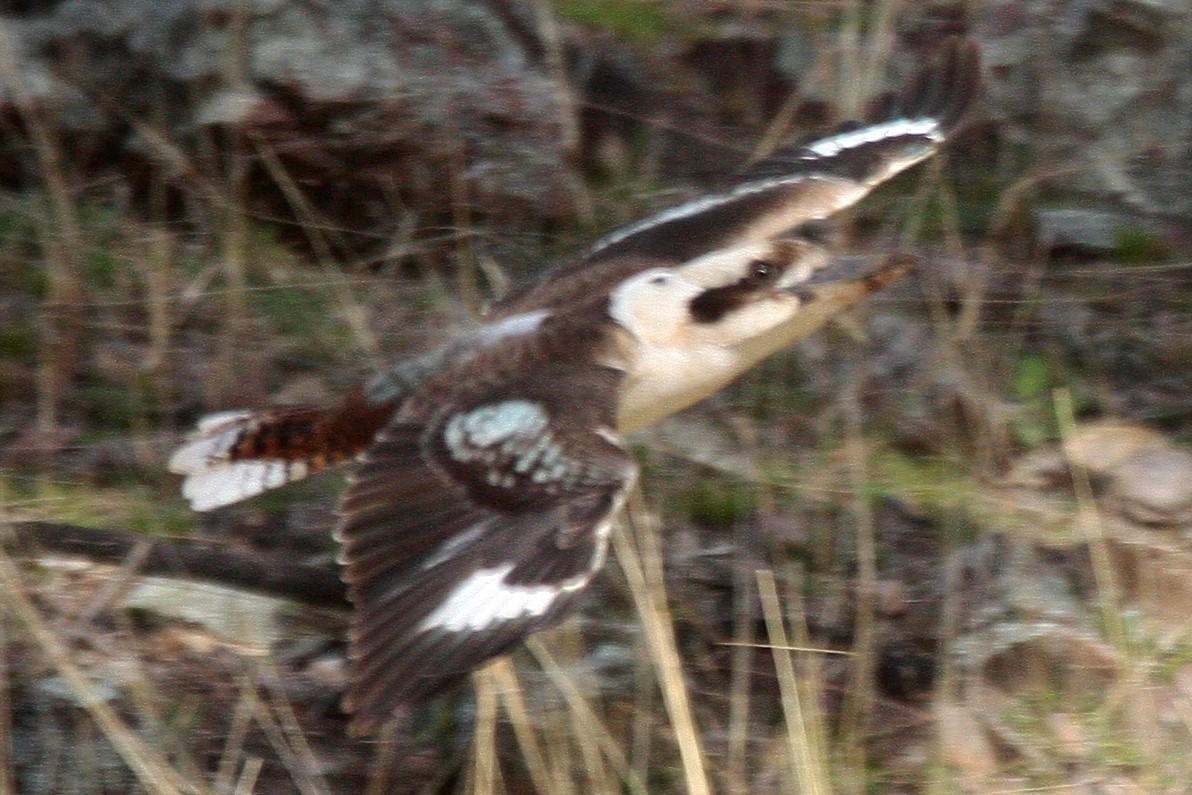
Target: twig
<point>272,575</point>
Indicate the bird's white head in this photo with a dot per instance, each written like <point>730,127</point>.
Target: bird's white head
<point>690,329</point>
<point>725,298</point>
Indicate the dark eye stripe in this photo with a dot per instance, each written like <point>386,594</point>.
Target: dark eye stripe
<point>713,304</point>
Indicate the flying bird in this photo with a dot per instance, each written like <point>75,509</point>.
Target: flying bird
<point>488,472</point>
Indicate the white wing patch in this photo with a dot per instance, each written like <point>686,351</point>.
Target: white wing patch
<point>834,145</point>
<point>703,204</point>
<point>494,425</point>
<point>484,600</point>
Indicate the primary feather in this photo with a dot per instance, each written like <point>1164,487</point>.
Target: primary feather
<point>490,470</point>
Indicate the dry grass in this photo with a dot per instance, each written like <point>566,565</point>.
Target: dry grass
<point>667,733</point>
<point>151,768</point>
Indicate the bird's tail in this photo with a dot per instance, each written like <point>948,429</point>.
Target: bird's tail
<point>234,455</point>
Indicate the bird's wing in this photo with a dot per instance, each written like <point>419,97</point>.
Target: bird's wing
<point>795,185</point>
<point>815,180</point>
<point>462,537</point>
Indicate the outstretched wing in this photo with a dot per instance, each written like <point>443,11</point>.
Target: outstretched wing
<point>794,186</point>
<point>463,537</point>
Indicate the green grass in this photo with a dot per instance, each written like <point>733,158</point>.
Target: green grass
<point>131,504</point>
<point>1139,246</point>
<point>717,503</point>
<point>639,21</point>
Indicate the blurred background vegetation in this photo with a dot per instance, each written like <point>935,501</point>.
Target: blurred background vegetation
<point>971,499</point>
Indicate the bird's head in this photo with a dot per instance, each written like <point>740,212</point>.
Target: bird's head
<point>753,299</point>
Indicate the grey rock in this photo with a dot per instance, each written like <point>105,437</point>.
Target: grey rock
<point>56,687</point>
<point>1087,231</point>
<point>1154,487</point>
<point>361,101</point>
<point>247,620</point>
<point>1100,92</point>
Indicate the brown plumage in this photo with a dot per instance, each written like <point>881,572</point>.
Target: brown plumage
<point>490,469</point>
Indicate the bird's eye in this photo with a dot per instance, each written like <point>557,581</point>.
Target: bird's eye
<point>660,279</point>
<point>760,271</point>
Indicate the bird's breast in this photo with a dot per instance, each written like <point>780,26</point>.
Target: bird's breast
<point>661,380</point>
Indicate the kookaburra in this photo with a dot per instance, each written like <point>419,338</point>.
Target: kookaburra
<point>489,471</point>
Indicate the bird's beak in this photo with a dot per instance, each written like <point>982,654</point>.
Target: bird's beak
<point>846,280</point>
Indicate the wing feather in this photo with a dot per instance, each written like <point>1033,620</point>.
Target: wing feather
<point>796,185</point>
<point>444,569</point>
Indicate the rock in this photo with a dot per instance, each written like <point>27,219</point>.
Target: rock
<point>1070,735</point>
<point>1142,477</point>
<point>243,619</point>
<point>58,688</point>
<point>891,598</point>
<point>1079,231</point>
<point>1154,486</point>
<point>1094,89</point>
<point>359,102</point>
<point>1101,445</point>
<point>1096,447</point>
<point>964,744</point>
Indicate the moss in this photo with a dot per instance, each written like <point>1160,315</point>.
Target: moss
<point>978,202</point>
<point>21,268</point>
<point>152,515</point>
<point>938,485</point>
<point>135,507</point>
<point>18,342</point>
<point>719,504</point>
<point>633,20</point>
<point>971,202</point>
<point>102,265</point>
<point>1136,246</point>
<point>290,310</point>
<point>326,485</point>
<point>304,319</point>
<point>1033,380</point>
<point>774,391</point>
<point>111,407</point>
<point>1032,377</point>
